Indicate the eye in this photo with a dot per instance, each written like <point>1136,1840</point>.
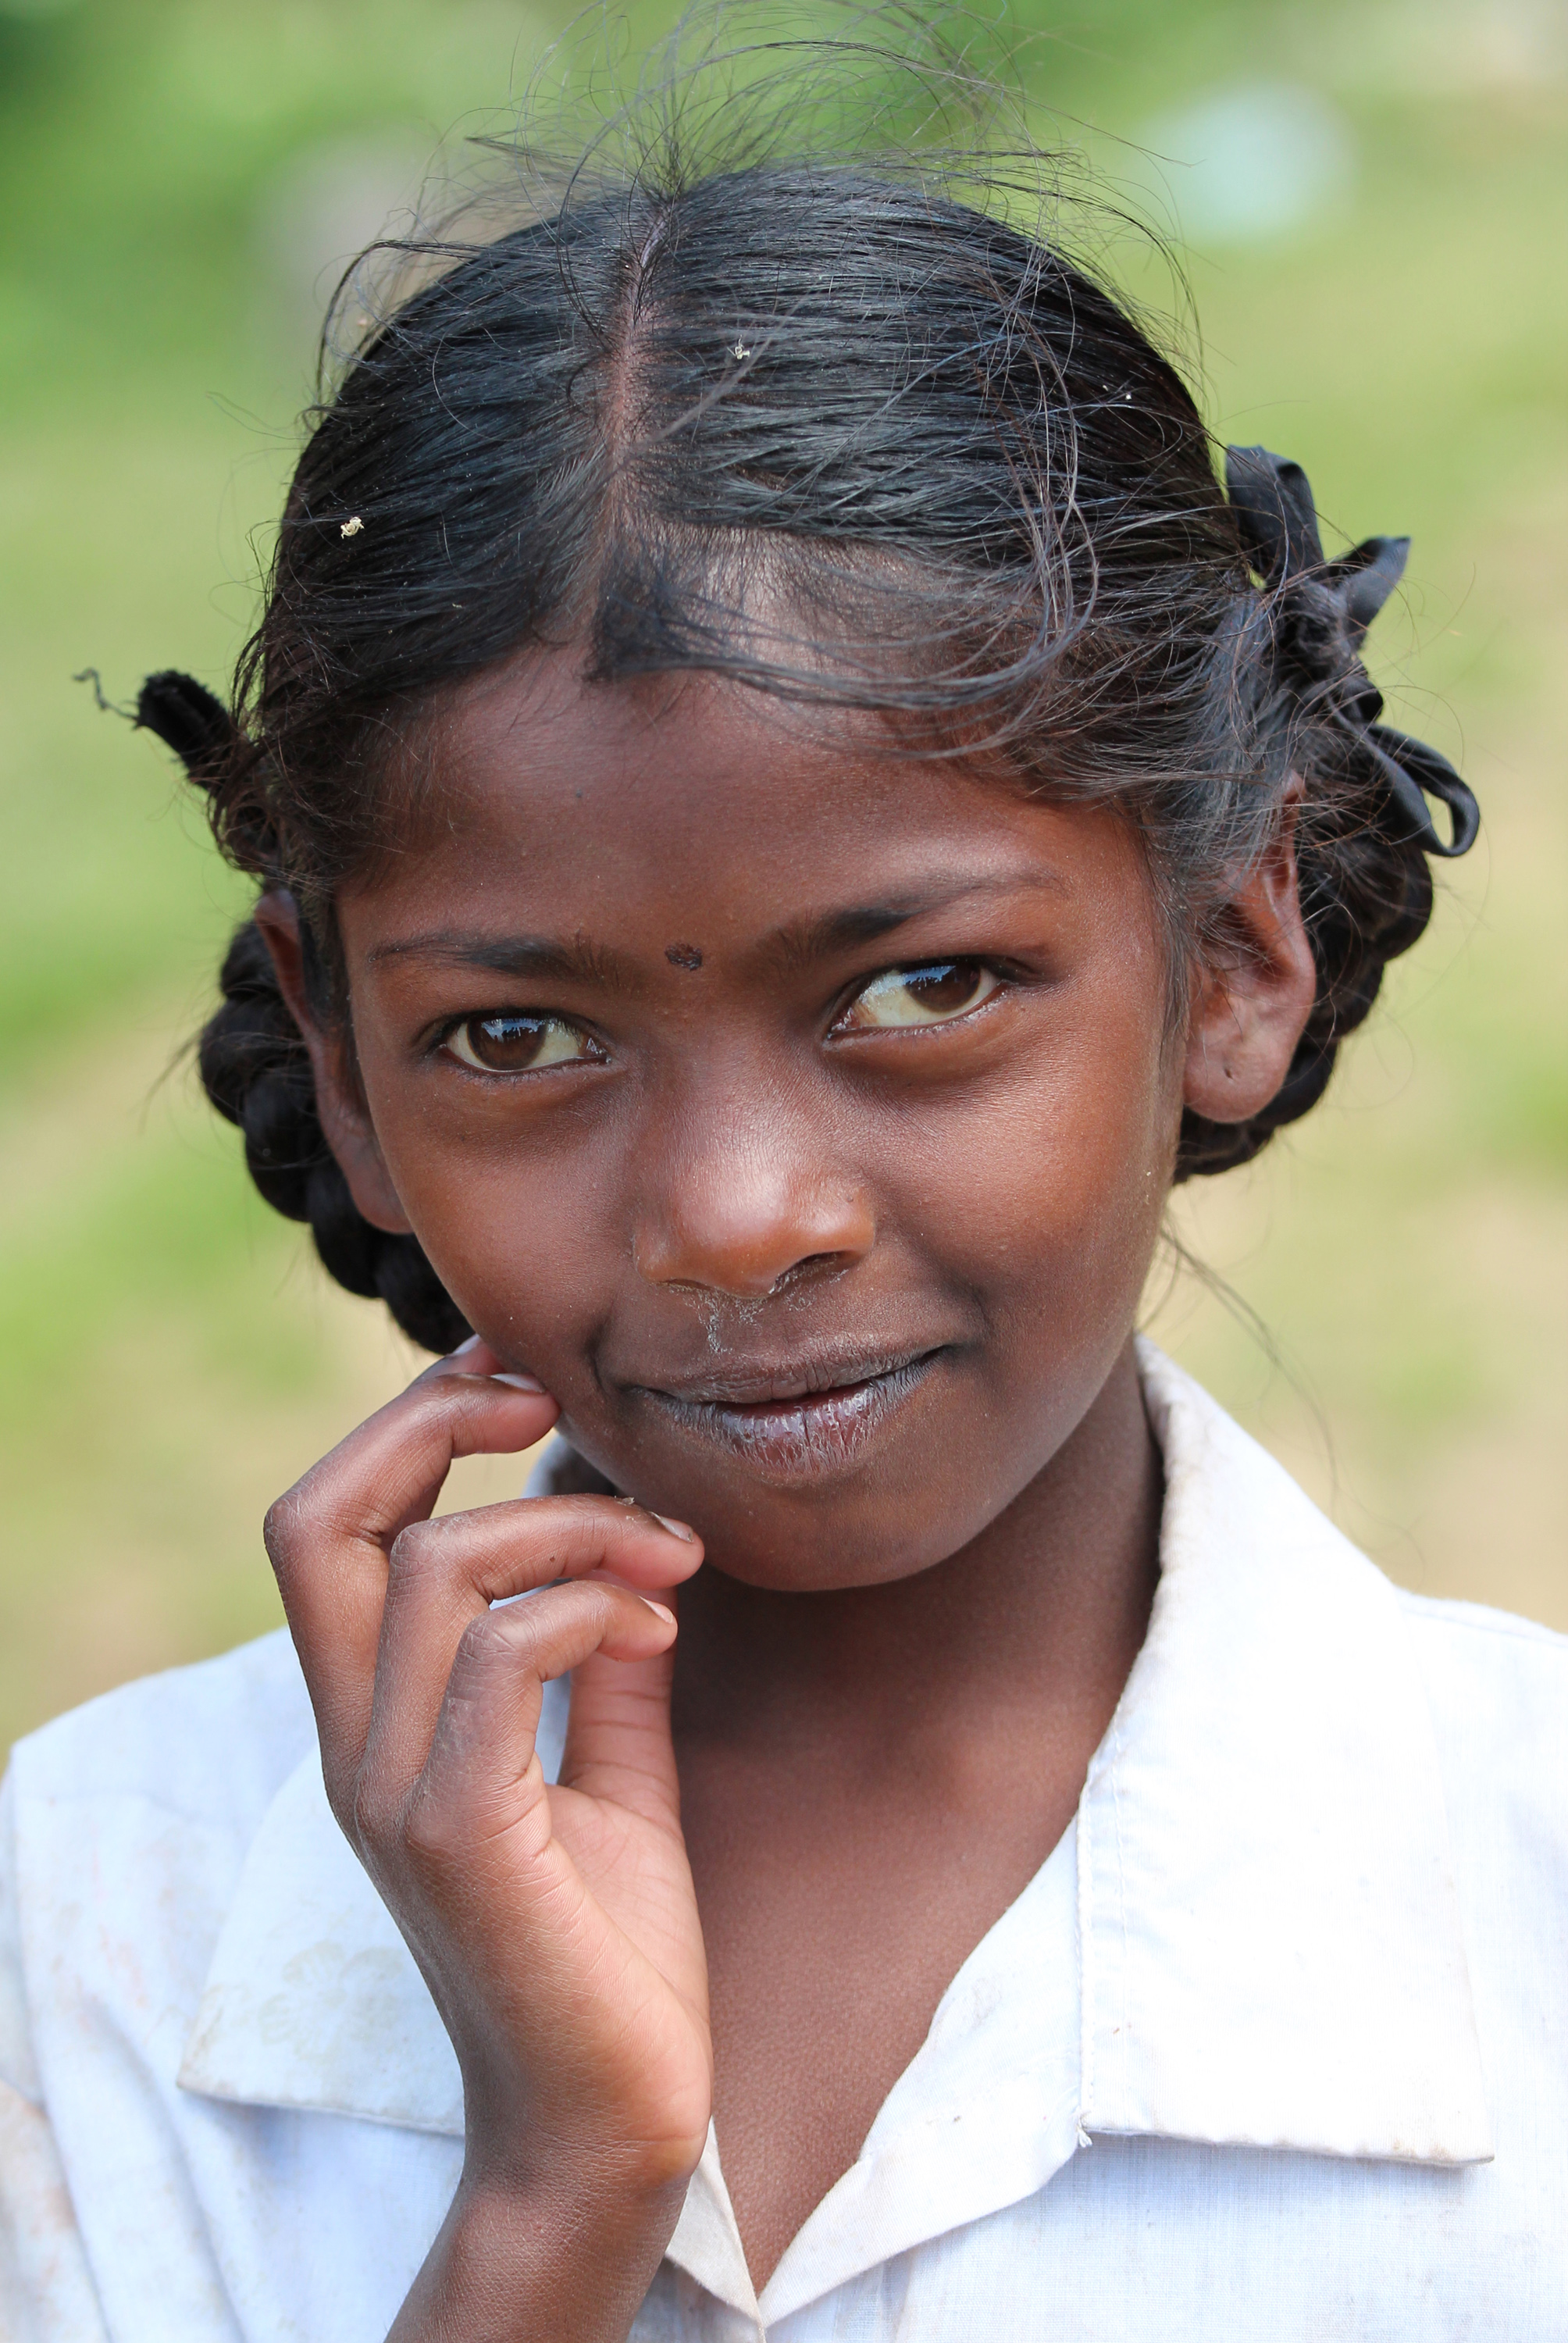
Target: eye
<point>510,1041</point>
<point>929,995</point>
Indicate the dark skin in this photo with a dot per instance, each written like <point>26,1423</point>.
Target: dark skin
<point>793,1120</point>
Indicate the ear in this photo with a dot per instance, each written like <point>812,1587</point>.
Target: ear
<point>1254,990</point>
<point>345,1124</point>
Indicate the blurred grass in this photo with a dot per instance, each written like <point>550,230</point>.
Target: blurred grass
<point>171,1356</point>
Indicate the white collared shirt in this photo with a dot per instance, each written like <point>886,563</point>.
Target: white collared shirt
<point>1274,2047</point>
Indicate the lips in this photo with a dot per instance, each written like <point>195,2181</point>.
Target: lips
<point>793,1423</point>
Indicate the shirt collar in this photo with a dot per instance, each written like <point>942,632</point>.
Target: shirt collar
<point>1268,1946</point>
<point>1270,1941</point>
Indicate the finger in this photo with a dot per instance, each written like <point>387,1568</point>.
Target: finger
<point>328,1537</point>
<point>494,1552</point>
<point>482,1780</point>
<point>391,1468</point>
<point>445,1573</point>
<point>618,1745</point>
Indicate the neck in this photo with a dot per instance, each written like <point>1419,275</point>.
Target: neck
<point>1041,1613</point>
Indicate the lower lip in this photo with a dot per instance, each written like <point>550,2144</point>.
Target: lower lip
<point>794,1440</point>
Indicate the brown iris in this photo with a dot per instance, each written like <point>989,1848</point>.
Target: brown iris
<point>514,1041</point>
<point>927,995</point>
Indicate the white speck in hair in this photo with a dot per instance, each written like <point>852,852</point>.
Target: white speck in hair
<point>351,527</point>
<point>739,351</point>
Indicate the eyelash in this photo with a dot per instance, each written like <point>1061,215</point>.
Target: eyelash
<point>542,1020</point>
<point>1001,976</point>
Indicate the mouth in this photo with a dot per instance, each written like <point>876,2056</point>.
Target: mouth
<point>798,1421</point>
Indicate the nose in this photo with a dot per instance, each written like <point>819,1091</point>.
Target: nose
<point>749,1196</point>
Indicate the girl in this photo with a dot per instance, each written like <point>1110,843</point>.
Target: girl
<point>789,804</point>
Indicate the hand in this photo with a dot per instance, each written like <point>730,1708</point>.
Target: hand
<point>556,1927</point>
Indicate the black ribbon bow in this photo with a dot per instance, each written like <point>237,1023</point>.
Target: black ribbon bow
<point>1278,520</point>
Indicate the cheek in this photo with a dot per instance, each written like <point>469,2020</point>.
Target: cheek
<point>513,1234</point>
<point>1060,1181</point>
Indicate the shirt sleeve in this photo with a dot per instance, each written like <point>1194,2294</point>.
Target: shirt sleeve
<point>46,2292</point>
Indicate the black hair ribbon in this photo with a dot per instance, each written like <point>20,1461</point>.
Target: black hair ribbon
<point>1336,602</point>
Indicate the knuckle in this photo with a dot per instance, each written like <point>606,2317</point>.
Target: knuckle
<point>437,1399</point>
<point>413,1547</point>
<point>369,1820</point>
<point>282,1526</point>
<point>340,1798</point>
<point>491,1640</point>
<point>433,1836</point>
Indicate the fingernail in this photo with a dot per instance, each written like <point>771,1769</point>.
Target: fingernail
<point>463,1349</point>
<point>675,1529</point>
<point>661,1610</point>
<point>520,1382</point>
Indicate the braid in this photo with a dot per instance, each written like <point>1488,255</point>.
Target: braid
<point>254,1066</point>
<point>257,1071</point>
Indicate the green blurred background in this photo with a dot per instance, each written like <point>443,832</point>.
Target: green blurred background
<point>1373,198</point>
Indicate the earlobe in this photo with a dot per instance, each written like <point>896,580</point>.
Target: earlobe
<point>1253,993</point>
<point>345,1125</point>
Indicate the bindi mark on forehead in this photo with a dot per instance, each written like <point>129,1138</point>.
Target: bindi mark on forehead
<point>683,955</point>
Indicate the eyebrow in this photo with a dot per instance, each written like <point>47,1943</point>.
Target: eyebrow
<point>574,960</point>
<point>825,934</point>
<point>799,944</point>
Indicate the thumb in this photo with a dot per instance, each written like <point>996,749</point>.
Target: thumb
<point>618,1745</point>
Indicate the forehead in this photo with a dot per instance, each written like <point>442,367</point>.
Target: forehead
<point>694,793</point>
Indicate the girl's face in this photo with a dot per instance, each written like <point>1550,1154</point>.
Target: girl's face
<point>800,1116</point>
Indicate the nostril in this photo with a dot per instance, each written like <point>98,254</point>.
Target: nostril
<point>815,1265</point>
<point>742,1231</point>
<point>716,1287</point>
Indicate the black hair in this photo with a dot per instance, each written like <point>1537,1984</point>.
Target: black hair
<point>827,429</point>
